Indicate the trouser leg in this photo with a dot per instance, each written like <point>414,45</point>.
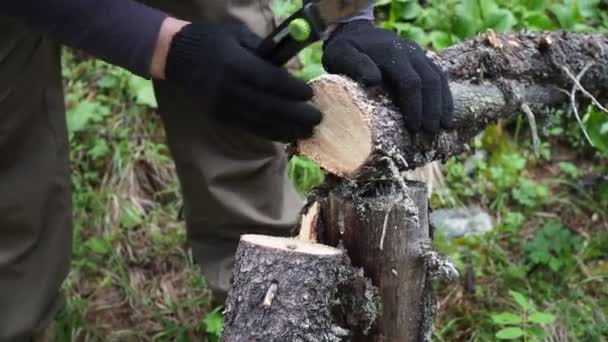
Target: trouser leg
<point>233,183</point>
<point>35,203</point>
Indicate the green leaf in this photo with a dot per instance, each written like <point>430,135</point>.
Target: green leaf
<point>587,8</point>
<point>539,21</point>
<point>521,300</point>
<point>501,20</point>
<point>471,8</point>
<point>541,318</point>
<point>507,318</point>
<point>595,122</point>
<point>509,333</point>
<point>564,15</point>
<point>415,33</point>
<point>440,40</point>
<point>487,7</point>
<point>100,149</point>
<point>107,81</point>
<point>143,91</point>
<point>535,5</point>
<point>536,331</point>
<point>131,216</point>
<point>79,116</point>
<point>99,246</point>
<point>213,324</point>
<point>411,10</point>
<point>569,168</point>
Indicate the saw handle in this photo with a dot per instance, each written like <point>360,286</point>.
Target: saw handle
<point>280,46</point>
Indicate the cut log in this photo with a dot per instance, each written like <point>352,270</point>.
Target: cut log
<point>283,290</point>
<point>384,228</point>
<point>491,77</point>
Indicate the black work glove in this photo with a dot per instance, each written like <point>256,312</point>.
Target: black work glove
<point>217,63</point>
<point>375,56</point>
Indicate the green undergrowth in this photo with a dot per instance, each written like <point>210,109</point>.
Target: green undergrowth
<point>541,273</point>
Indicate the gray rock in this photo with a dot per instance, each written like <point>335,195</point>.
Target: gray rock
<point>458,222</point>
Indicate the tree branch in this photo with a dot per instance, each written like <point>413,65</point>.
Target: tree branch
<point>491,77</point>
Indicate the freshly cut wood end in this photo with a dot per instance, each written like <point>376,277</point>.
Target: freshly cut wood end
<point>343,142</point>
<point>290,245</point>
<point>308,227</point>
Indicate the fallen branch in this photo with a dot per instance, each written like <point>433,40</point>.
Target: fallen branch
<point>491,77</point>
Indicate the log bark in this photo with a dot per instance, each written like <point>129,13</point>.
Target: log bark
<point>491,77</point>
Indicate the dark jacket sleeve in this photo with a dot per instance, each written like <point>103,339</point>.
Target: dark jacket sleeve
<point>122,32</point>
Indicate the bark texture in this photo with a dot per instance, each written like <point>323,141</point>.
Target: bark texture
<point>384,227</point>
<point>491,77</point>
<point>295,290</point>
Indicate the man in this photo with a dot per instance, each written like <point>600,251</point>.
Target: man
<point>222,108</point>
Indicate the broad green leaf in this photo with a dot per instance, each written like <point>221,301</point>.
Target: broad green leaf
<point>587,8</point>
<point>521,300</point>
<point>506,318</point>
<point>541,318</point>
<point>535,5</point>
<point>100,149</point>
<point>501,20</point>
<point>440,40</point>
<point>416,34</point>
<point>536,331</point>
<point>487,7</point>
<point>472,8</point>
<point>213,323</point>
<point>564,15</point>
<point>411,10</point>
<point>569,169</point>
<point>595,122</point>
<point>107,81</point>
<point>79,116</point>
<point>143,91</point>
<point>539,21</point>
<point>509,333</point>
<point>99,246</point>
<point>131,216</point>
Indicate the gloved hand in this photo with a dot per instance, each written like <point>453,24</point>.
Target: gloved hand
<point>375,56</point>
<point>217,63</point>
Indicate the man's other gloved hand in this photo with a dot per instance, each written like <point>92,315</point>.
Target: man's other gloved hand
<point>218,64</point>
<point>375,56</point>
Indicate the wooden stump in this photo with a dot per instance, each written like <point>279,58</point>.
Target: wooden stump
<point>283,290</point>
<point>384,231</point>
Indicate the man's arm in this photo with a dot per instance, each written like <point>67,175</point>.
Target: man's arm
<point>122,32</point>
<point>215,63</point>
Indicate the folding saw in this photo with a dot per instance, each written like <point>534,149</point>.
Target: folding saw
<point>308,25</point>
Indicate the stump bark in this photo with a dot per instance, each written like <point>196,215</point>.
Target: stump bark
<point>384,228</point>
<point>284,290</point>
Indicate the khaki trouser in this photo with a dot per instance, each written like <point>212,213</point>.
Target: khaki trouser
<point>232,182</point>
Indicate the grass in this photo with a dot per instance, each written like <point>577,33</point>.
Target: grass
<point>134,279</point>
<point>132,276</point>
